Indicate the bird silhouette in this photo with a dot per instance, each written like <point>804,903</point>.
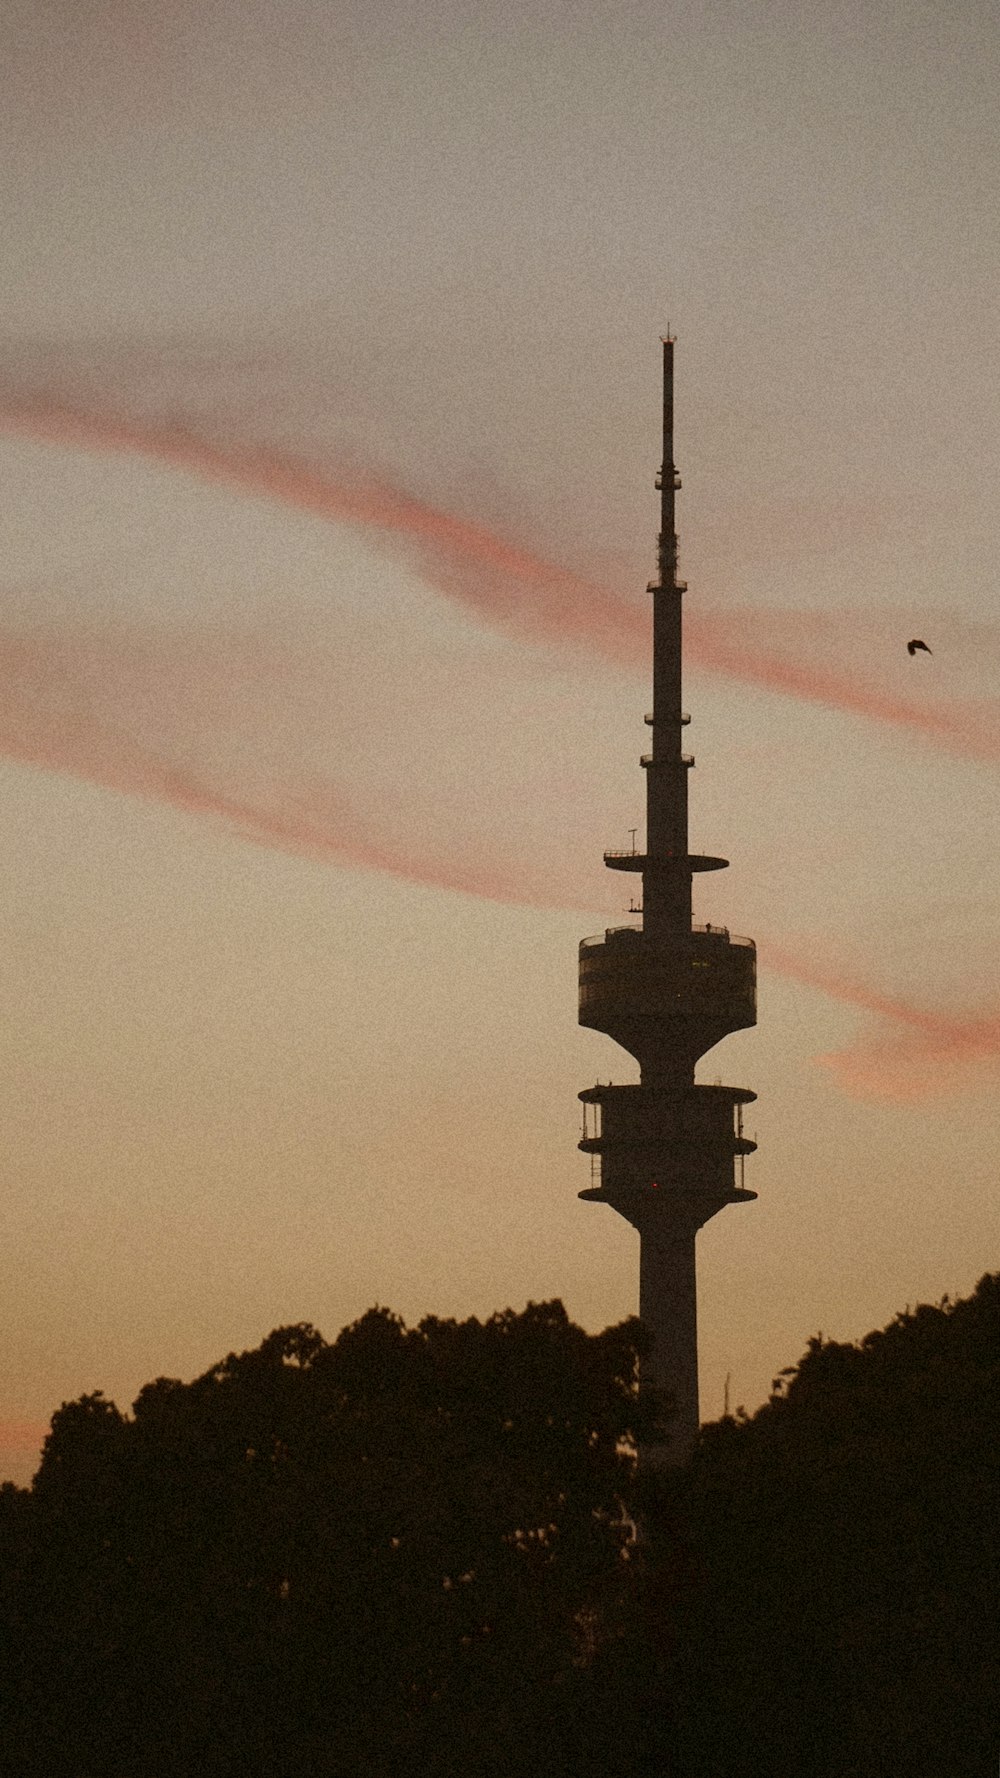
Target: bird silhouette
<point>911,647</point>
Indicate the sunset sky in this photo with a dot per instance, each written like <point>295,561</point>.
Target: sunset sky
<point>329,383</point>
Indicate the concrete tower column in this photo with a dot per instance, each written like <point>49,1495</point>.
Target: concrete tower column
<point>668,1305</point>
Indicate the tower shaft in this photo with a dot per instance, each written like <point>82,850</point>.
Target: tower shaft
<point>667,992</point>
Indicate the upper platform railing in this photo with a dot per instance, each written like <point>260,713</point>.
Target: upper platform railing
<point>617,932</point>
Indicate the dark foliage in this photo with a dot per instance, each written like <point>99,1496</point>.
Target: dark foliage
<point>402,1553</point>
<point>408,1555</point>
<point>844,1544</point>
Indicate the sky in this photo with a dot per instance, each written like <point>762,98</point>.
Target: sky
<point>329,384</point>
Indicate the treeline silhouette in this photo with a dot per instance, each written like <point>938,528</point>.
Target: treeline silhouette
<point>427,1553</point>
<point>843,1621</point>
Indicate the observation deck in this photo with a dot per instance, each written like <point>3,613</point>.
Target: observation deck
<point>649,994</point>
<point>666,1150</point>
<point>664,862</point>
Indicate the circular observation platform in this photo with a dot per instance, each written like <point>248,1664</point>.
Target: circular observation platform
<point>664,863</point>
<point>645,993</point>
<point>667,1154</point>
<point>654,1193</point>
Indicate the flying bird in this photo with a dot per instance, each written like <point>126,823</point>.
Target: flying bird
<point>911,647</point>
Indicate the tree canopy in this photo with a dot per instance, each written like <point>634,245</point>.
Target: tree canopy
<point>413,1551</point>
<point>403,1551</point>
<point>847,1537</point>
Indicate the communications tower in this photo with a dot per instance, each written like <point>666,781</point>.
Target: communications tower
<point>670,1152</point>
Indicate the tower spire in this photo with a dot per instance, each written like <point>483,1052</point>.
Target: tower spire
<point>667,991</point>
<point>667,879</point>
<point>667,480</point>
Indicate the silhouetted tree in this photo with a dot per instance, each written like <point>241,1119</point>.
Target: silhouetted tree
<point>409,1553</point>
<point>844,1622</point>
<point>400,1553</point>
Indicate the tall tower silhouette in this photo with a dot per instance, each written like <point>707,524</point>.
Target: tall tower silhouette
<point>667,991</point>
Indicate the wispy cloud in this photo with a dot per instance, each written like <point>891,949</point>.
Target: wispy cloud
<point>139,711</point>
<point>777,651</point>
<point>913,1053</point>
<point>231,728</point>
<point>515,588</point>
<point>182,717</point>
<point>506,584</point>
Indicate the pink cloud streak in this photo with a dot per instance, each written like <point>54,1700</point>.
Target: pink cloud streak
<point>79,703</point>
<point>510,586</point>
<point>915,1053</point>
<point>717,643</point>
<point>522,592</point>
<point>127,710</point>
<point>22,1435</point>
